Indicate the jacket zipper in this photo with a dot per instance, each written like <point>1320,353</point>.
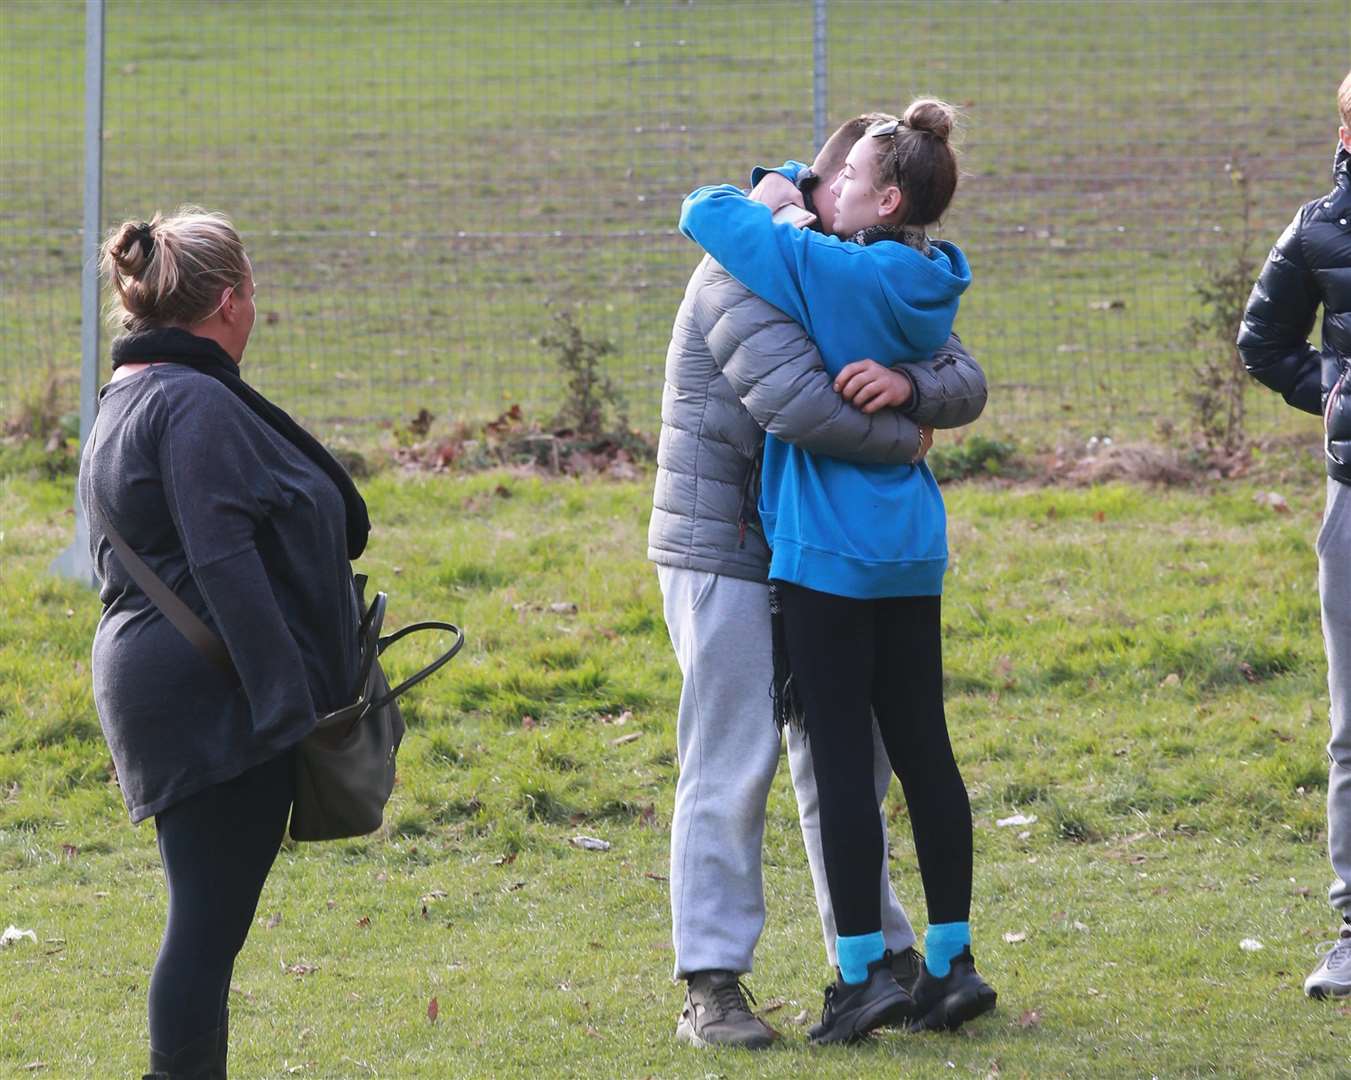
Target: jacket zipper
<point>1333,394</point>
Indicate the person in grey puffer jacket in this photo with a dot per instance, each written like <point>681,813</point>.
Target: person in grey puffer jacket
<point>1311,265</point>
<point>736,368</point>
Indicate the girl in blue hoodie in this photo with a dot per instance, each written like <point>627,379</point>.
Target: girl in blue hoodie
<point>859,553</point>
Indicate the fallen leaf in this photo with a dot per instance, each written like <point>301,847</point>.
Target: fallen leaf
<point>1248,671</point>
<point>274,921</point>
<point>590,843</point>
<point>1106,305</point>
<point>528,723</point>
<point>630,737</point>
<point>1273,500</point>
<point>435,894</point>
<point>364,922</point>
<point>592,1032</point>
<point>1171,679</point>
<point>772,1005</point>
<point>655,877</point>
<point>502,860</point>
<point>1303,890</point>
<point>69,851</point>
<point>804,1017</point>
<point>1015,936</point>
<point>516,886</point>
<point>301,969</point>
<point>1030,1019</point>
<point>563,608</point>
<point>1017,819</point>
<point>433,1010</point>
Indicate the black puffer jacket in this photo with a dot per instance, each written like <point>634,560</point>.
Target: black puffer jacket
<point>1310,265</point>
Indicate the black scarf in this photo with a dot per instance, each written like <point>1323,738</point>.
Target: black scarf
<point>175,346</point>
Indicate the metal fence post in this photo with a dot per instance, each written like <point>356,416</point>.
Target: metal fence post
<point>820,71</point>
<point>75,561</point>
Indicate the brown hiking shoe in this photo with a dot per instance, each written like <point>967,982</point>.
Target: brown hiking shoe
<point>717,1013</point>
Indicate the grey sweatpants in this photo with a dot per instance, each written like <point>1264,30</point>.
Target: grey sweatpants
<point>1334,587</point>
<point>728,751</point>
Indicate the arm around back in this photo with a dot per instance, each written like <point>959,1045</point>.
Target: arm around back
<point>950,388</point>
<point>776,371</point>
<point>1274,338</point>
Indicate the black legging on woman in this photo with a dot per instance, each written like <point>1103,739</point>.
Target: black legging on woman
<point>217,847</point>
<point>851,658</point>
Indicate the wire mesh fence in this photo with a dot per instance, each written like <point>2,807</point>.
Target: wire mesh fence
<point>422,185</point>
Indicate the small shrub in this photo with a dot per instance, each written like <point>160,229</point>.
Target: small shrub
<point>975,455</point>
<point>591,395</point>
<point>1219,382</point>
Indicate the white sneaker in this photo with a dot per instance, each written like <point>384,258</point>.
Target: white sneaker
<point>1332,977</point>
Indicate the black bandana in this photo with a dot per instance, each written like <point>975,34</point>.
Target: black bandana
<point>175,346</point>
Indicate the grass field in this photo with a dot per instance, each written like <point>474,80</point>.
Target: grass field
<point>422,182</point>
<point>1140,669</point>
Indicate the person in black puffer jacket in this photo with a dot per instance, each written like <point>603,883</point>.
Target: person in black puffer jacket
<point>1311,265</point>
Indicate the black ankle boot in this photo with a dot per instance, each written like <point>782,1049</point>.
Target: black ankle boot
<point>201,1059</point>
<point>946,1004</point>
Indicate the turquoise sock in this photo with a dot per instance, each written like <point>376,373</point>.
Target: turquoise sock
<point>856,953</point>
<point>942,942</point>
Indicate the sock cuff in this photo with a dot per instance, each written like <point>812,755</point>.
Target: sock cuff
<point>856,952</point>
<point>942,942</point>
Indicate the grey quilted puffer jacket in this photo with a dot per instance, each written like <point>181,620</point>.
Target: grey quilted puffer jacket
<point>737,367</point>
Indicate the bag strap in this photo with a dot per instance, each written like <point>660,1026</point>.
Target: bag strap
<point>209,644</point>
<point>182,617</point>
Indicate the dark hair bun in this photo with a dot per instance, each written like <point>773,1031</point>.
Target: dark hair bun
<point>132,247</point>
<point>931,115</point>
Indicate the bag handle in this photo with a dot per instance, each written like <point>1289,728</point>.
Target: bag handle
<point>182,617</point>
<point>430,669</point>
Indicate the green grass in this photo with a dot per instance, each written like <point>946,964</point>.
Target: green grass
<point>421,181</point>
<point>1175,816</point>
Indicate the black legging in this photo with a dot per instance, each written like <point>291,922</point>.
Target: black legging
<point>851,658</point>
<point>217,847</point>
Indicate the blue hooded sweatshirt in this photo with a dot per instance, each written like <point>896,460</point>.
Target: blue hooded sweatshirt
<point>863,531</point>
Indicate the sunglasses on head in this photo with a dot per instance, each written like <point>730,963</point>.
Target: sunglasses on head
<point>884,127</point>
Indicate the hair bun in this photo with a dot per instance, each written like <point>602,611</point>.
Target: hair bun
<point>931,115</point>
<point>132,247</point>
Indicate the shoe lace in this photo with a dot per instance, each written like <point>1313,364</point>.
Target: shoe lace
<point>731,996</point>
<point>1338,952</point>
<point>831,991</point>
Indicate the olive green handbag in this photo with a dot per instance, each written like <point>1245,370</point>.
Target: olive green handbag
<point>344,769</point>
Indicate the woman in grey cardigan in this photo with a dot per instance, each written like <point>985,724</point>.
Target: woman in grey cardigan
<point>251,523</point>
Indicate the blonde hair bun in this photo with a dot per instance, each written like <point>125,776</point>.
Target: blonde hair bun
<point>931,115</point>
<point>172,269</point>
